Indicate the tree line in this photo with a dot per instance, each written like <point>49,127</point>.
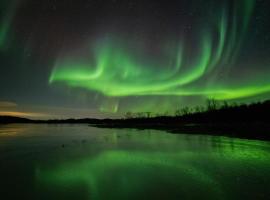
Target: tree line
<point>210,105</point>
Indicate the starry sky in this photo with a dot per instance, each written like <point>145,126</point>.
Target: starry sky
<point>97,58</point>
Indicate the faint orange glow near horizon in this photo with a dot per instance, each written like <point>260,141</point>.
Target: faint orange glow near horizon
<point>22,114</point>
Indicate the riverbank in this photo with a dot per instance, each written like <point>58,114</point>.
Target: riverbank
<point>258,131</point>
<point>243,121</point>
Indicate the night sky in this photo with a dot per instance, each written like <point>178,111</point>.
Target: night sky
<point>102,58</point>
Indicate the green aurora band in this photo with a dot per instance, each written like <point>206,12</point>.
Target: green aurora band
<point>6,21</point>
<point>117,68</point>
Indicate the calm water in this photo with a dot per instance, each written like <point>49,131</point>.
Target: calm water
<point>81,162</point>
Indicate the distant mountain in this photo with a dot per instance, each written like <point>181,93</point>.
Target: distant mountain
<point>229,114</point>
<point>12,119</point>
<point>247,121</point>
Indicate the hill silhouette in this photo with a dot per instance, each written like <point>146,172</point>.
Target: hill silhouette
<point>246,121</point>
<point>12,119</point>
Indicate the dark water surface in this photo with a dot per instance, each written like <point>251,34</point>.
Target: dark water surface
<point>81,162</point>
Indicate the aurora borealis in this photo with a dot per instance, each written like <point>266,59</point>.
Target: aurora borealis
<point>91,58</point>
<point>118,73</point>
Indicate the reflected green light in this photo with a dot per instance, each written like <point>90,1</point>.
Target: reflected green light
<point>130,173</point>
<point>178,165</point>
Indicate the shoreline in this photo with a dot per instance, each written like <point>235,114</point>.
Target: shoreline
<point>257,131</point>
<point>254,131</point>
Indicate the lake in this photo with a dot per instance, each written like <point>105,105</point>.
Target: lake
<point>82,162</point>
